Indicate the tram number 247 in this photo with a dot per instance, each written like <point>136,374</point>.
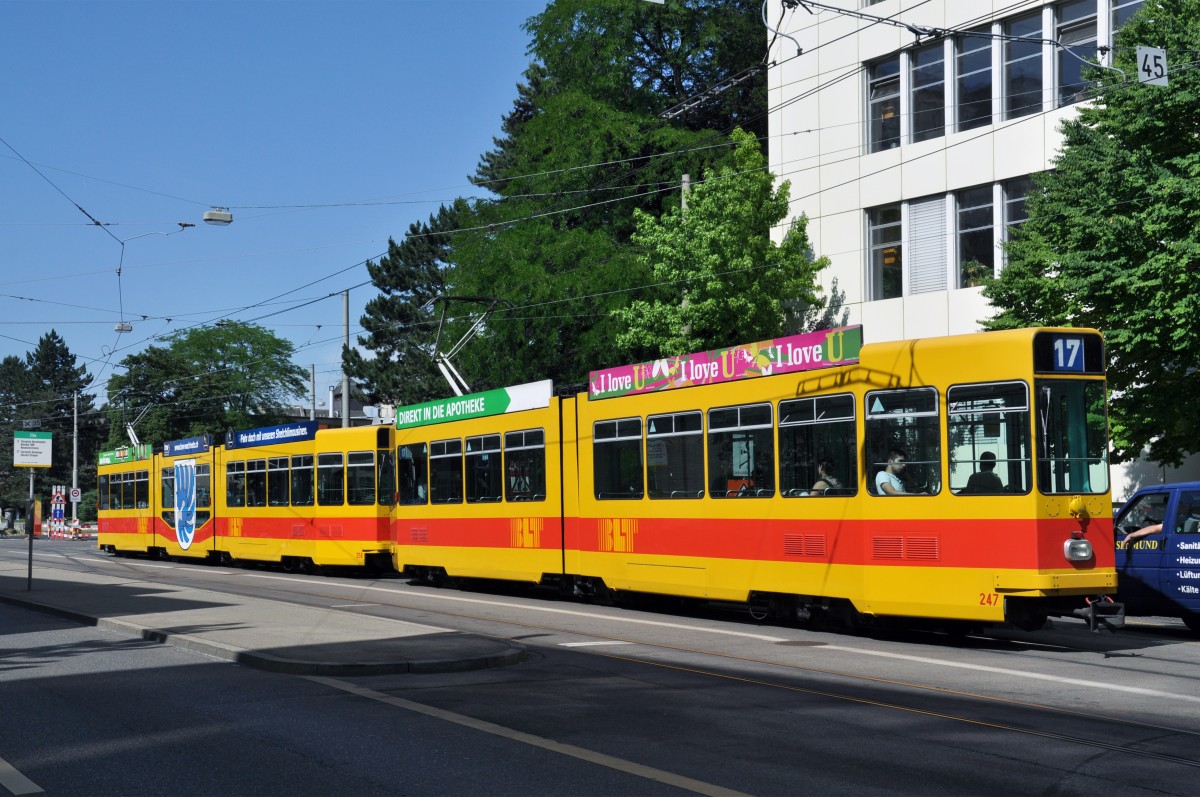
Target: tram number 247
<point>988,599</point>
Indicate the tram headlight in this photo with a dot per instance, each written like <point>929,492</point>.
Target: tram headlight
<point>1077,550</point>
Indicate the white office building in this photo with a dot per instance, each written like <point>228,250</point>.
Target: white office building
<point>911,153</point>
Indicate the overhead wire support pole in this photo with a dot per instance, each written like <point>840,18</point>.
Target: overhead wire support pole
<point>346,344</point>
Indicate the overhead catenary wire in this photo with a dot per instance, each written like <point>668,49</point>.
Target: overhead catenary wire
<point>508,222</point>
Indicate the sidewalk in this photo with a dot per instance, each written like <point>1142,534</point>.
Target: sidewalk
<point>256,632</point>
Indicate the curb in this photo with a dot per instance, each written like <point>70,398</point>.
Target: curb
<point>513,653</point>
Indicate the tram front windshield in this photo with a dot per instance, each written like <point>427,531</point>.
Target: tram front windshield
<point>1072,437</point>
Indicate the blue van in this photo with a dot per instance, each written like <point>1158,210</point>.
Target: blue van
<point>1159,574</point>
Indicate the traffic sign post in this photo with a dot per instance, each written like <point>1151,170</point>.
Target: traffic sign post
<point>31,450</point>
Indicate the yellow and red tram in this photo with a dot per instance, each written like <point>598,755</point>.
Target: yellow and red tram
<point>702,477</point>
<point>292,494</point>
<point>754,474</point>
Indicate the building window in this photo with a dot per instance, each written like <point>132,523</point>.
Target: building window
<point>1122,10</point>
<point>1015,193</point>
<point>927,75</point>
<point>1023,66</point>
<point>884,92</point>
<point>975,80</point>
<point>884,234</point>
<point>1075,30</point>
<point>976,240</point>
<point>926,252</point>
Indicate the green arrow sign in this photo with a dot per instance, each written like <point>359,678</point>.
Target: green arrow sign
<point>534,395</point>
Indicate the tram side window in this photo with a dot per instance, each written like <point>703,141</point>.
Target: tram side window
<point>445,472</point>
<point>277,481</point>
<point>617,458</point>
<point>675,455</point>
<point>127,500</point>
<point>525,465</point>
<point>203,486</point>
<point>360,478</point>
<point>818,447</point>
<point>235,483</point>
<point>1072,437</point>
<point>741,452</point>
<point>412,473</point>
<point>904,423</point>
<point>115,487</point>
<point>485,472</point>
<point>989,438</point>
<point>256,482</point>
<point>168,488</point>
<point>386,477</point>
<point>102,493</point>
<point>141,489</point>
<point>331,480</point>
<point>302,480</point>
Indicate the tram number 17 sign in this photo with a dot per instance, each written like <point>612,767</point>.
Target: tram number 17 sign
<point>32,449</point>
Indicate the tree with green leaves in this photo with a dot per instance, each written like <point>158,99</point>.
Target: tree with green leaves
<point>640,57</point>
<point>718,278</point>
<point>400,324</point>
<point>1113,238</point>
<point>584,147</point>
<point>234,375</point>
<point>41,391</point>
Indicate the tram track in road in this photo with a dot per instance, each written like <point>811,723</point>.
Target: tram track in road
<point>987,710</point>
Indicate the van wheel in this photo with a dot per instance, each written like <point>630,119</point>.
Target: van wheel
<point>1192,621</point>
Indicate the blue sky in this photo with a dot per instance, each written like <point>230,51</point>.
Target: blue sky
<point>146,114</point>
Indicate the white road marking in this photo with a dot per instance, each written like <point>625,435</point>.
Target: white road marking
<point>592,644</point>
<point>15,782</point>
<point>583,754</point>
<point>1132,690</point>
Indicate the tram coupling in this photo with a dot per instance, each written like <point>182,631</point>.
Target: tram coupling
<point>1102,612</point>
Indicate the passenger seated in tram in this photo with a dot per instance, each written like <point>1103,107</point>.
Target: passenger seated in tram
<point>825,478</point>
<point>890,480</point>
<point>985,481</point>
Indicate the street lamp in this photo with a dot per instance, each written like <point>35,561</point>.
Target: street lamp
<point>218,216</point>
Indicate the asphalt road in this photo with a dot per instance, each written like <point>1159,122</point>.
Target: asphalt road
<point>610,701</point>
